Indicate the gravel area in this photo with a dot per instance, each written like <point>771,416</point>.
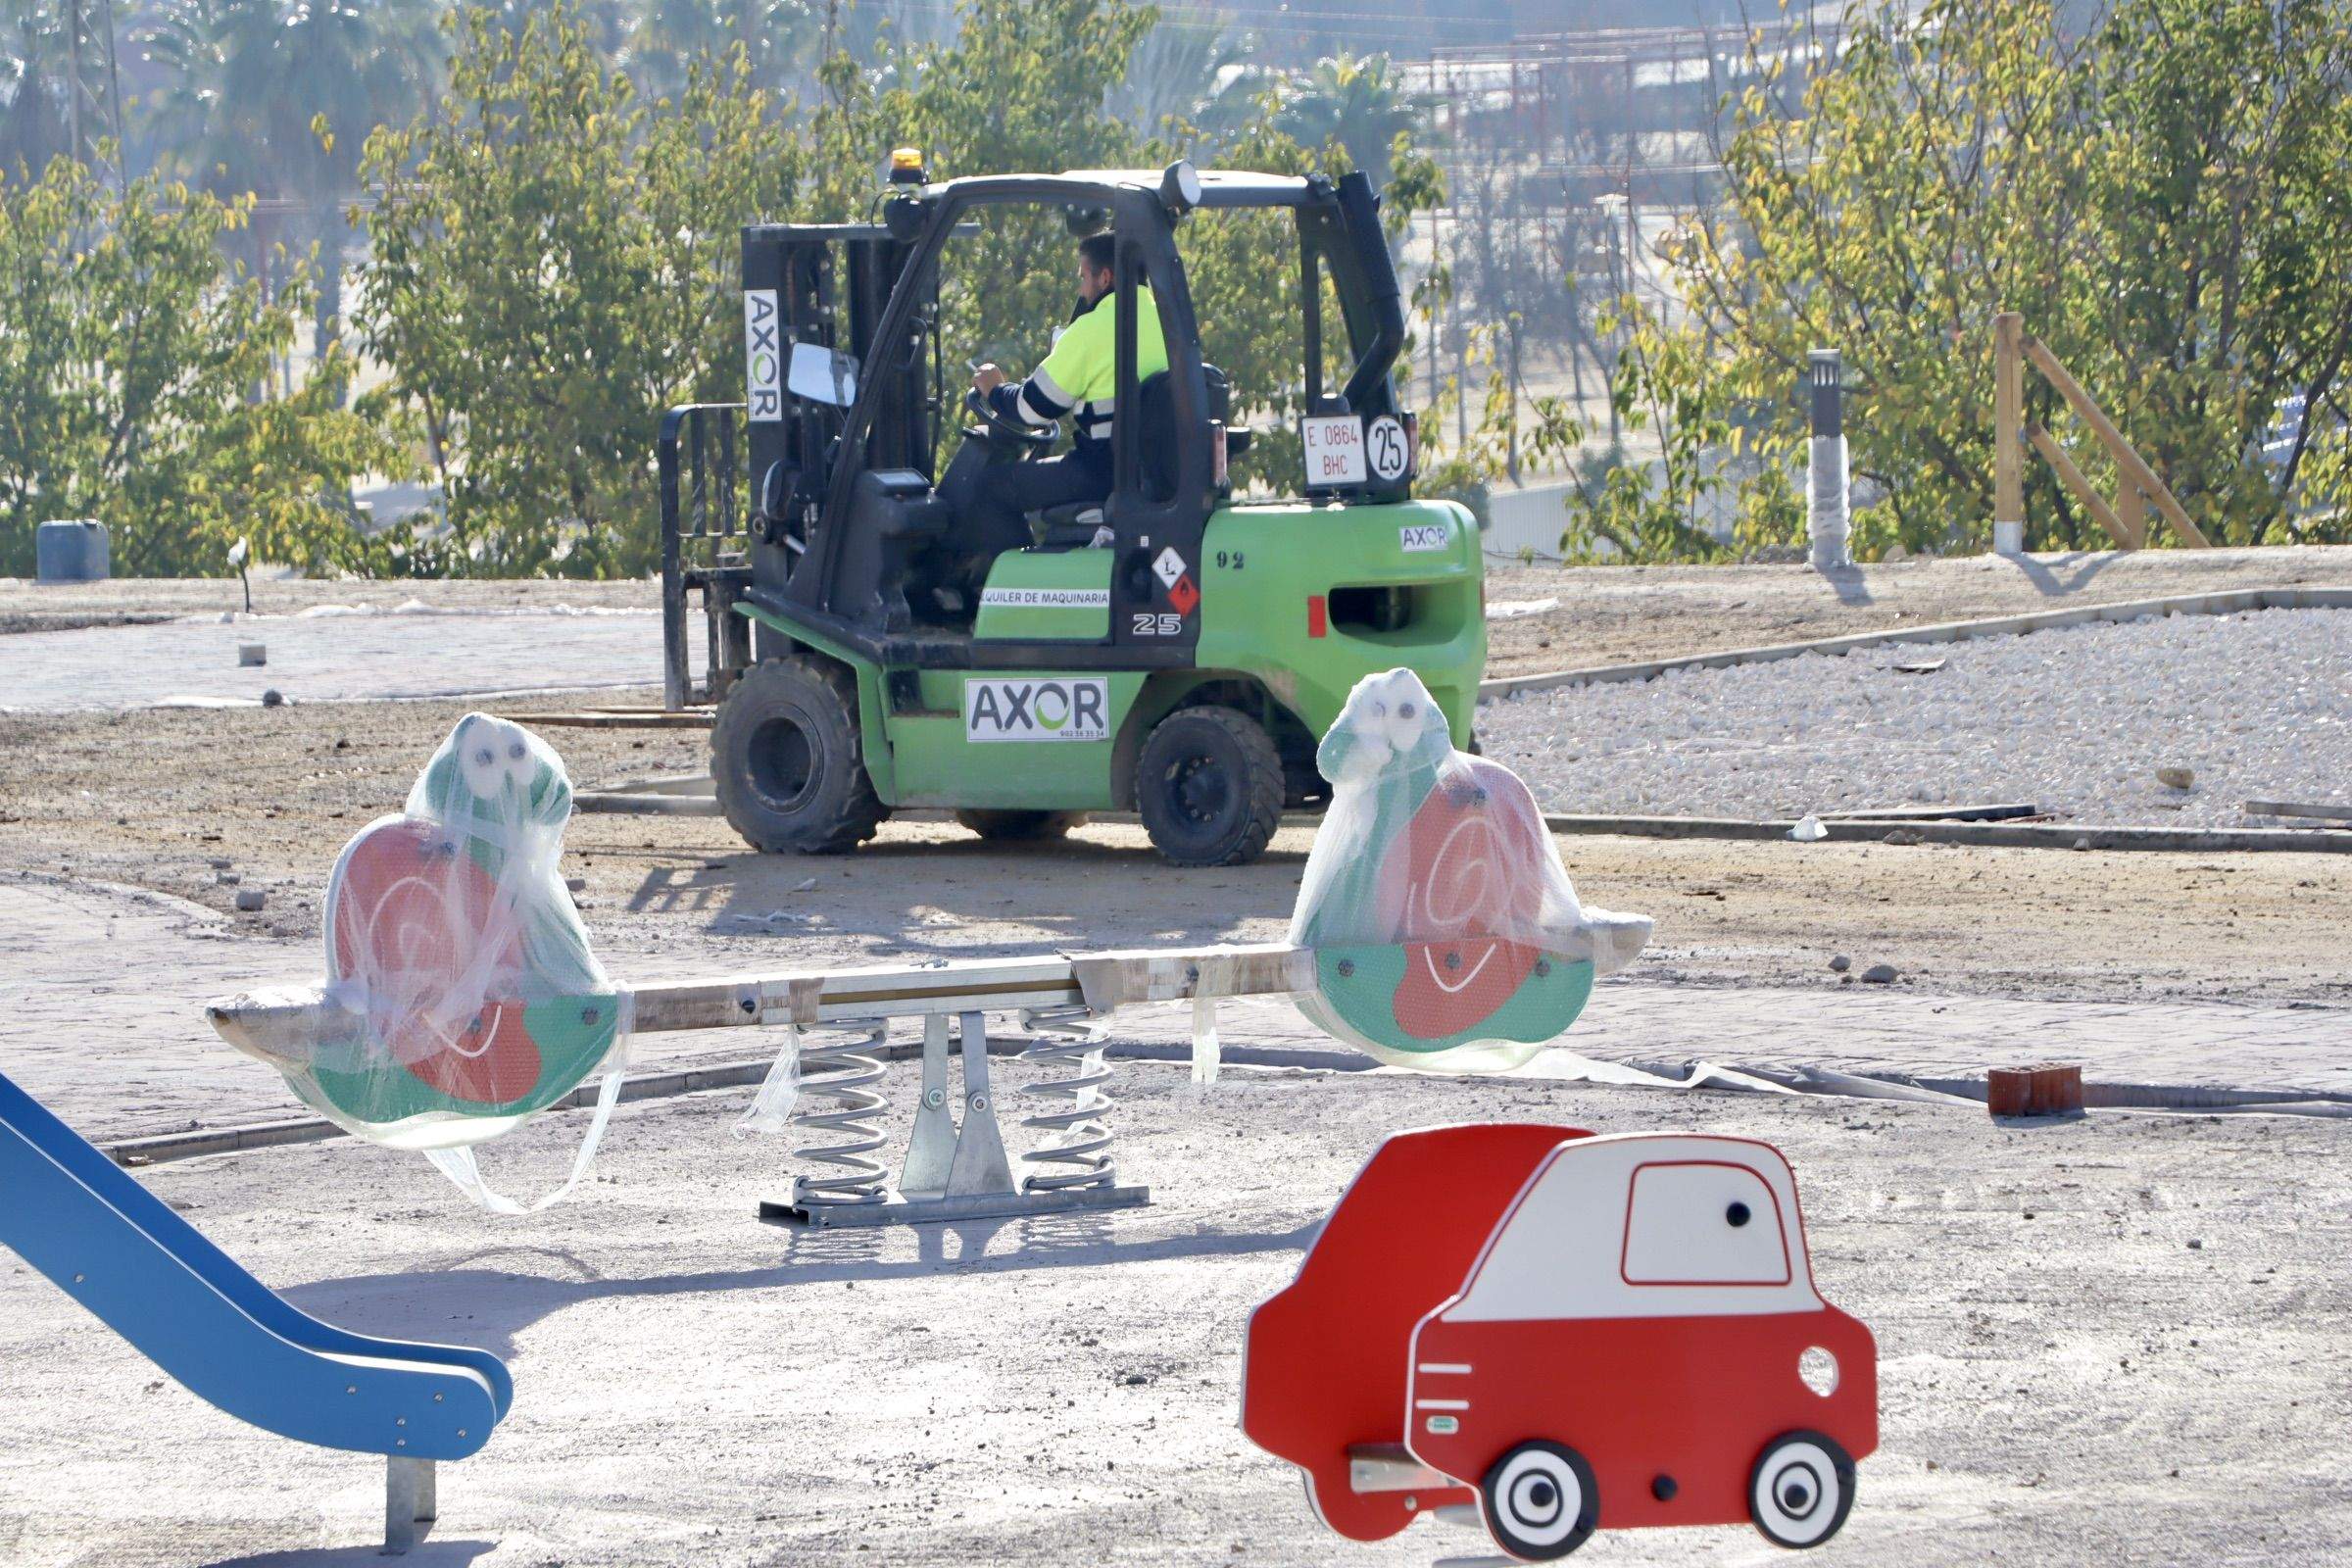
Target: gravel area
<point>2076,722</point>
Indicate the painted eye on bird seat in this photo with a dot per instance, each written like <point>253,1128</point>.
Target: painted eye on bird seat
<point>515,751</point>
<point>1405,711</point>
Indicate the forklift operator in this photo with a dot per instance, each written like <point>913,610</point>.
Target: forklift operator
<point>1079,378</point>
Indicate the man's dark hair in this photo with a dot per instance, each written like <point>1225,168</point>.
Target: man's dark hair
<point>1100,252</point>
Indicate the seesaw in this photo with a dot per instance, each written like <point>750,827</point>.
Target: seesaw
<point>1435,928</point>
<point>957,1168</point>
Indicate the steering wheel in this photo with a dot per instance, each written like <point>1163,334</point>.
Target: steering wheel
<point>1012,434</point>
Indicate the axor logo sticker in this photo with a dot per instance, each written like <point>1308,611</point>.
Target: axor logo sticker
<point>1415,538</point>
<point>1054,709</point>
<point>762,354</point>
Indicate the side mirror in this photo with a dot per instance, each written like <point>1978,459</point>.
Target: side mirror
<point>775,493</point>
<point>820,374</point>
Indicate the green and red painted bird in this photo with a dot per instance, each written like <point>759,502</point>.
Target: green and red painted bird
<point>1445,931</point>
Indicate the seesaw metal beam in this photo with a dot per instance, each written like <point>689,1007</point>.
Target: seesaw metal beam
<point>294,1023</point>
<point>956,1169</point>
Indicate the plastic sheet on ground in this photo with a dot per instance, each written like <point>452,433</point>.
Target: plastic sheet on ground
<point>1447,932</point>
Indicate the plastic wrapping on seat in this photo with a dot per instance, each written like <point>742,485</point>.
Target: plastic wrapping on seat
<point>1446,933</point>
<point>451,938</point>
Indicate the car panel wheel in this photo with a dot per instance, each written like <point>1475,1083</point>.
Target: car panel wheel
<point>788,759</point>
<point>1208,786</point>
<point>1540,1503</point>
<point>1801,1489</point>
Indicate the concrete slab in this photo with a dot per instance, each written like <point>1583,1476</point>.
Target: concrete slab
<point>320,657</point>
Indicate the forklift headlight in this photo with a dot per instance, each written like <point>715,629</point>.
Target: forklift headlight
<point>1180,186</point>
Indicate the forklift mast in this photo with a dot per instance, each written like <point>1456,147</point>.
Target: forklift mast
<point>827,286</point>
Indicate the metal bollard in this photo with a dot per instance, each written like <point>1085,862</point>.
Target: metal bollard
<point>1828,518</point>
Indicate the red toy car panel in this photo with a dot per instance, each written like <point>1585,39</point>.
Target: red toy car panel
<point>1648,1301</point>
<point>1326,1364</point>
<point>1691,1399</point>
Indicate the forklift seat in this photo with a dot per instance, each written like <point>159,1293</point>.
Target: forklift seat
<point>1069,527</point>
<point>1072,526</point>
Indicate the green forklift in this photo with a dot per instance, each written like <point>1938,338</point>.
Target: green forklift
<point>1175,650</point>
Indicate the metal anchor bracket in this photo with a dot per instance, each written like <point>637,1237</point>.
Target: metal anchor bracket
<point>960,1170</point>
<point>409,1503</point>
<point>931,1149</point>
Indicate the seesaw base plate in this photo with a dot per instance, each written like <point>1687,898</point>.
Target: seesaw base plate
<point>941,1210</point>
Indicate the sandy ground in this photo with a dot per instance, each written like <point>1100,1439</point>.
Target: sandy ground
<point>2081,721</point>
<point>104,1024</point>
<point>155,799</point>
<point>321,657</point>
<point>2065,1379</point>
<point>2100,1342</point>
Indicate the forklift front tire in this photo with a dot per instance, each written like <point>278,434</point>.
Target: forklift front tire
<point>1019,826</point>
<point>788,759</point>
<point>1209,787</point>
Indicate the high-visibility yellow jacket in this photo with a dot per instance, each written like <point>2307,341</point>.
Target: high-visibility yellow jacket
<point>1081,376</point>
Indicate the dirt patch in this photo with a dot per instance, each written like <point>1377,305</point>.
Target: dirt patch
<point>75,621</point>
<point>153,799</point>
<point>2114,1341</point>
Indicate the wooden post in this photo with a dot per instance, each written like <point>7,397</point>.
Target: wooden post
<point>2136,470</point>
<point>2131,510</point>
<point>2076,481</point>
<point>2008,412</point>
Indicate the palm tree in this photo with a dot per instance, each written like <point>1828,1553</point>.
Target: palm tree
<point>57,94</point>
<point>1193,71</point>
<point>1355,100</point>
<point>278,97</point>
<point>35,84</point>
<point>777,37</point>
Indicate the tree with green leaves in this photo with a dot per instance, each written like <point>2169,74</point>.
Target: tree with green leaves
<point>133,361</point>
<point>668,38</point>
<point>554,263</point>
<point>2161,196</point>
<point>1190,70</point>
<point>556,259</point>
<point>1356,101</point>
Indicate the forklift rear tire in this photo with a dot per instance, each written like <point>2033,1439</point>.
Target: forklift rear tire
<point>1018,826</point>
<point>1209,787</point>
<point>788,759</point>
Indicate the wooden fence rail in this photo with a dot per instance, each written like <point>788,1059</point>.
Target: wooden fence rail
<point>2138,484</point>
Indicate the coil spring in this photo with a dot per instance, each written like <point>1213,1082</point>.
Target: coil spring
<point>842,1073</point>
<point>1075,1153</point>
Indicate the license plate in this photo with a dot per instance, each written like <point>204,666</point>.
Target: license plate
<point>1335,450</point>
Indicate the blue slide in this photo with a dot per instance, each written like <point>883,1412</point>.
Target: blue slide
<point>152,1277</point>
